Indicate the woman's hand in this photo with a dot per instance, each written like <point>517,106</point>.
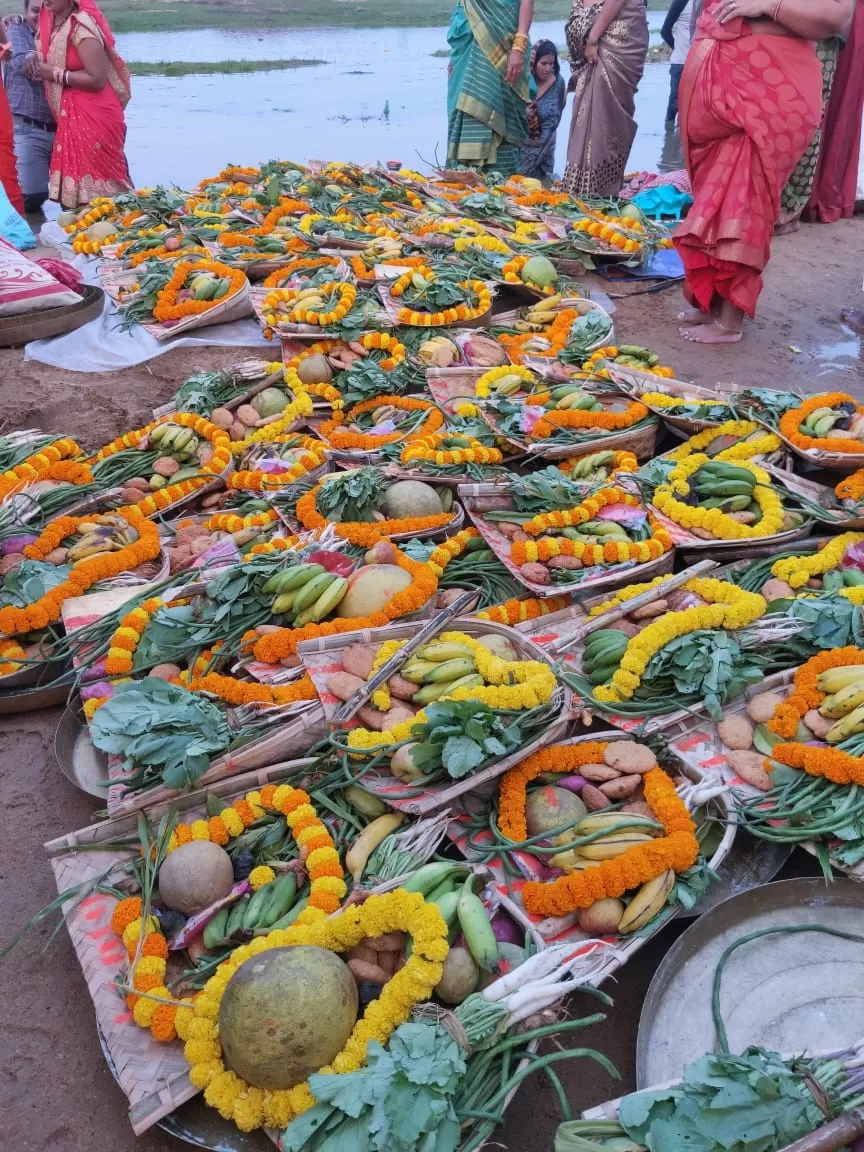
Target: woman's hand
<point>741,10</point>
<point>515,65</point>
<point>591,53</point>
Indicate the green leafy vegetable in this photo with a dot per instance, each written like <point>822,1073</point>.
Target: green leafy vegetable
<point>30,581</point>
<point>401,1101</point>
<point>460,735</point>
<point>152,723</point>
<point>351,497</point>
<point>706,665</point>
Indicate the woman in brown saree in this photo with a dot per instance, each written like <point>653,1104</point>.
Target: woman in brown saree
<point>608,43</point>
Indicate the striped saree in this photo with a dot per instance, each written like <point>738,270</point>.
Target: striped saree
<point>486,122</point>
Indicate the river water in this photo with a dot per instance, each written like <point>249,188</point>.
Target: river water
<point>184,128</point>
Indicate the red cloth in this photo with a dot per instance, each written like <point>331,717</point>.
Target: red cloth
<point>749,106</point>
<point>88,158</point>
<point>8,167</point>
<point>836,182</point>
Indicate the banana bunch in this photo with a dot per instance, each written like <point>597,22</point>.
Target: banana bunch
<point>635,356</point>
<point>439,351</point>
<point>382,248</point>
<point>447,885</point>
<point>309,299</point>
<point>108,532</point>
<point>571,396</point>
<point>539,315</point>
<point>305,594</point>
<point>206,286</point>
<point>602,654</point>
<point>506,385</point>
<point>273,906</point>
<point>821,420</point>
<point>174,440</point>
<point>439,668</point>
<point>648,902</point>
<point>844,702</point>
<point>592,467</point>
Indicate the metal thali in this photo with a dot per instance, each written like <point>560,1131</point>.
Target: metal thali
<point>80,761</point>
<point>786,992</point>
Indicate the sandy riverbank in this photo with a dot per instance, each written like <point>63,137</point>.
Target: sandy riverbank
<point>56,1094</point>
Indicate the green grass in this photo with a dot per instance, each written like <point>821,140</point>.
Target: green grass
<point>174,15</point>
<point>215,67</point>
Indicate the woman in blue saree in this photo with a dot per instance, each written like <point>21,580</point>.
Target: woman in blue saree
<point>548,96</point>
<point>487,91</point>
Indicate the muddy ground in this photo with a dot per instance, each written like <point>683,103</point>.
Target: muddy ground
<point>56,1094</point>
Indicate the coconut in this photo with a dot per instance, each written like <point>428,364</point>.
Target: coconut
<point>194,876</point>
<point>370,588</point>
<point>270,402</point>
<point>540,272</point>
<point>315,369</point>
<point>410,498</point>
<point>285,1014</point>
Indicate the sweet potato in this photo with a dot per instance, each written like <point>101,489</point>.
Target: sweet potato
<point>369,717</point>
<point>389,942</point>
<point>743,517</point>
<point>138,482</point>
<point>222,418</point>
<point>594,799</point>
<point>358,660</point>
<point>640,807</point>
<point>166,466</point>
<point>775,589</point>
<point>130,495</point>
<point>200,544</point>
<point>598,773</point>
<point>213,500</point>
<point>291,661</point>
<point>761,708</point>
<point>536,573</point>
<point>400,688</point>
<point>629,757</point>
<point>736,732</point>
<point>164,671</point>
<point>397,714</point>
<point>520,537</point>
<point>364,951</point>
<point>649,611</point>
<point>10,562</point>
<point>387,962</point>
<point>57,556</point>
<point>366,973</point>
<point>817,723</point>
<point>621,788</point>
<point>238,431</point>
<point>247,415</point>
<point>750,766</point>
<point>571,563</point>
<point>508,529</point>
<point>343,685</point>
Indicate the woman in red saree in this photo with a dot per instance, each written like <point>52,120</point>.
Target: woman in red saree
<point>87,86</point>
<point>750,102</point>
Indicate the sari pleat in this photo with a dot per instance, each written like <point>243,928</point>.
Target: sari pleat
<point>486,116</point>
<point>749,106</point>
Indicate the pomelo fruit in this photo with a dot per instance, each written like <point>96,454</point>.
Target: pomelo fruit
<point>286,1013</point>
<point>410,498</point>
<point>549,808</point>
<point>194,876</point>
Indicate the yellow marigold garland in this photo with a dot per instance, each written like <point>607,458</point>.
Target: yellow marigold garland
<point>428,449</point>
<point>461,312</point>
<point>628,593</point>
<point>397,911</point>
<point>797,570</point>
<point>517,611</point>
<point>483,387</point>
<point>719,523</point>
<point>37,466</point>
<point>726,607</point>
<point>743,450</point>
<point>298,409</point>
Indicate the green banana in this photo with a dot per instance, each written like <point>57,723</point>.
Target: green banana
<point>287,919</point>
<point>281,901</point>
<point>852,578</point>
<point>764,740</point>
<point>324,604</point>
<point>236,918</point>
<point>429,876</point>
<point>291,578</point>
<point>429,693</point>
<point>282,604</point>
<point>311,590</point>
<point>416,670</point>
<point>214,930</point>
<point>439,651</point>
<point>477,929</point>
<point>450,670</point>
<point>255,906</point>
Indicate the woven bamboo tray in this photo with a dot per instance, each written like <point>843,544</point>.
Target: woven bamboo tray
<point>635,382</point>
<point>846,462</point>
<point>233,307</point>
<point>692,547</point>
<point>580,304</point>
<point>594,579</point>
<point>452,386</point>
<point>323,657</point>
<point>154,1076</point>
<point>284,742</point>
<point>699,743</point>
<point>640,441</point>
<point>844,520</point>
<point>565,928</point>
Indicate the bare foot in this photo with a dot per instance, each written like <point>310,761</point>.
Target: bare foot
<point>695,316</point>
<point>713,333</point>
<point>854,317</point>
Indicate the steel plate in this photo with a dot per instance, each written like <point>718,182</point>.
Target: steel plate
<point>787,993</point>
<point>79,760</point>
<point>195,1123</point>
<point>749,864</point>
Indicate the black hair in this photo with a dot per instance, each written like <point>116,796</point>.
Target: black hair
<point>546,48</point>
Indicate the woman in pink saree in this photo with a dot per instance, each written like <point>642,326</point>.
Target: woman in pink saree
<point>87,86</point>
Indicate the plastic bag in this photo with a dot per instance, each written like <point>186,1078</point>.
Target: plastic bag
<point>14,227</point>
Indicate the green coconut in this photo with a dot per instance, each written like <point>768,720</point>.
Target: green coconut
<point>285,1014</point>
<point>539,271</point>
<point>410,498</point>
<point>270,402</point>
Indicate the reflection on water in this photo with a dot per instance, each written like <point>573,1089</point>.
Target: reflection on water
<point>672,155</point>
<point>184,128</point>
<point>839,356</point>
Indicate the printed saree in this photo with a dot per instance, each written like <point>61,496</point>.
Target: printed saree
<point>486,122</point>
<point>88,158</point>
<point>799,185</point>
<point>749,106</point>
<point>538,151</point>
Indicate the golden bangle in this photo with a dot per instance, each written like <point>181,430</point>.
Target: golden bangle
<point>520,42</point>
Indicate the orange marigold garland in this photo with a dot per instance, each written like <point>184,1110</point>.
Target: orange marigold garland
<point>46,464</point>
<point>365,535</point>
<point>331,431</point>
<point>851,488</point>
<point>548,424</point>
<point>302,264</point>
<point>517,611</point>
<point>806,694</point>
<point>149,956</point>
<point>677,849</point>
<point>103,566</point>
<point>791,421</point>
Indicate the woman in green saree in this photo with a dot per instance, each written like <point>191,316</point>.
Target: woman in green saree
<point>487,90</point>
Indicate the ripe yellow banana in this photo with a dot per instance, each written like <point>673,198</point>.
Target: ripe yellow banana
<point>444,651</point>
<point>850,725</point>
<point>612,845</point>
<point>648,901</point>
<point>541,316</point>
<point>610,821</point>
<point>570,861</point>
<point>833,679</point>
<point>843,702</point>
<point>368,840</point>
